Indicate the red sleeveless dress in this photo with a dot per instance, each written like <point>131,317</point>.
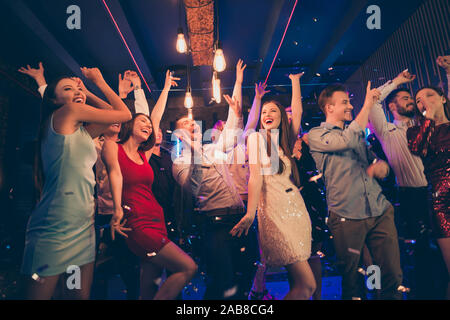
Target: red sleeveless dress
<point>146,217</point>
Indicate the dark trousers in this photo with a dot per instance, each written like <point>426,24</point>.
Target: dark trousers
<point>415,222</point>
<point>380,236</point>
<point>414,212</point>
<point>119,259</point>
<point>231,262</point>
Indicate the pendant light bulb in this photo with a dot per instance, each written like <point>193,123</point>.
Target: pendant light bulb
<point>219,63</point>
<point>181,42</point>
<point>188,102</point>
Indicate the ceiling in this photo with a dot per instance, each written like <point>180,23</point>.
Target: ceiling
<point>322,34</point>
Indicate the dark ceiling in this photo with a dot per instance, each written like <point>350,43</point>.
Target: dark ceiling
<point>322,34</point>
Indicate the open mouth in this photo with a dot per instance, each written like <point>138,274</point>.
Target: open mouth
<point>78,100</point>
<point>268,121</point>
<point>116,125</point>
<point>147,131</point>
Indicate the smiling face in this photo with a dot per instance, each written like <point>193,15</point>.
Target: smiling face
<point>67,91</point>
<point>339,107</point>
<point>270,116</point>
<point>403,104</point>
<point>142,128</point>
<point>430,101</point>
<point>113,129</point>
<point>191,128</point>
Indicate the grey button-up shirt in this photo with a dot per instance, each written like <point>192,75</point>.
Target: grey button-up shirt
<point>408,168</point>
<point>210,181</point>
<point>343,157</point>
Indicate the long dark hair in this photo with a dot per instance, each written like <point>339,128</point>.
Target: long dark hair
<point>127,129</point>
<point>285,143</point>
<point>48,106</point>
<point>441,93</point>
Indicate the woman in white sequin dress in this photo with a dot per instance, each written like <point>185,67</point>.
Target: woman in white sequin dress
<point>283,221</point>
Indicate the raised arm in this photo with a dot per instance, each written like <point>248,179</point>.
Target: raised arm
<point>372,96</point>
<point>377,119</point>
<point>237,90</point>
<point>296,104</point>
<point>255,182</point>
<point>114,112</point>
<point>231,133</point>
<point>140,101</point>
<point>444,62</point>
<point>255,111</point>
<point>37,75</point>
<point>324,140</point>
<point>160,106</point>
<point>111,161</point>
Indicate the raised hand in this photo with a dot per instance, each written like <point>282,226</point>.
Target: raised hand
<point>170,80</point>
<point>240,67</point>
<point>372,95</point>
<point>125,86</point>
<point>404,77</point>
<point>92,74</point>
<point>134,78</point>
<point>444,62</point>
<point>36,74</point>
<point>296,76</point>
<point>234,104</point>
<point>260,90</point>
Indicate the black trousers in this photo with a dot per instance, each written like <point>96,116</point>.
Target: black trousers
<point>380,236</point>
<point>415,221</point>
<point>120,260</point>
<point>231,262</point>
<point>414,212</point>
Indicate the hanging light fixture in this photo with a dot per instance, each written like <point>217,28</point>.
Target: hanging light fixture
<point>188,102</point>
<point>219,63</point>
<point>217,96</point>
<point>181,41</point>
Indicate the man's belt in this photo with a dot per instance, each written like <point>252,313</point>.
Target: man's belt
<point>223,211</point>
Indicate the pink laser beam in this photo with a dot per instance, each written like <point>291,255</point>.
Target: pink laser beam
<point>281,42</point>
<point>125,42</point>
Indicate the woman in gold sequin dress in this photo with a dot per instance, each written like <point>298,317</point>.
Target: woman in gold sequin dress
<point>283,221</point>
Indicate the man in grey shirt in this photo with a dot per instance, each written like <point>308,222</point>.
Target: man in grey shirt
<point>359,213</point>
<point>203,171</point>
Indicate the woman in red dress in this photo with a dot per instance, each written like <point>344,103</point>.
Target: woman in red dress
<point>430,139</point>
<point>131,179</point>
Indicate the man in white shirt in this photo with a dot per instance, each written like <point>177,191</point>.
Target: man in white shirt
<point>408,169</point>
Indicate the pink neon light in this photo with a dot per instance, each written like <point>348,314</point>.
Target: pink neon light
<point>281,42</point>
<point>125,42</point>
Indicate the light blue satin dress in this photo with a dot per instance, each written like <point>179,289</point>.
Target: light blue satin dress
<point>60,231</point>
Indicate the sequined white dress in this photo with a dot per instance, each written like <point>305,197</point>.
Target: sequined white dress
<point>283,221</point>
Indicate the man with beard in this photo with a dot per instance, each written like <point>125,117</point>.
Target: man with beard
<point>408,169</point>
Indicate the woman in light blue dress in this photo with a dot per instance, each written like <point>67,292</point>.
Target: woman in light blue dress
<point>60,238</point>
